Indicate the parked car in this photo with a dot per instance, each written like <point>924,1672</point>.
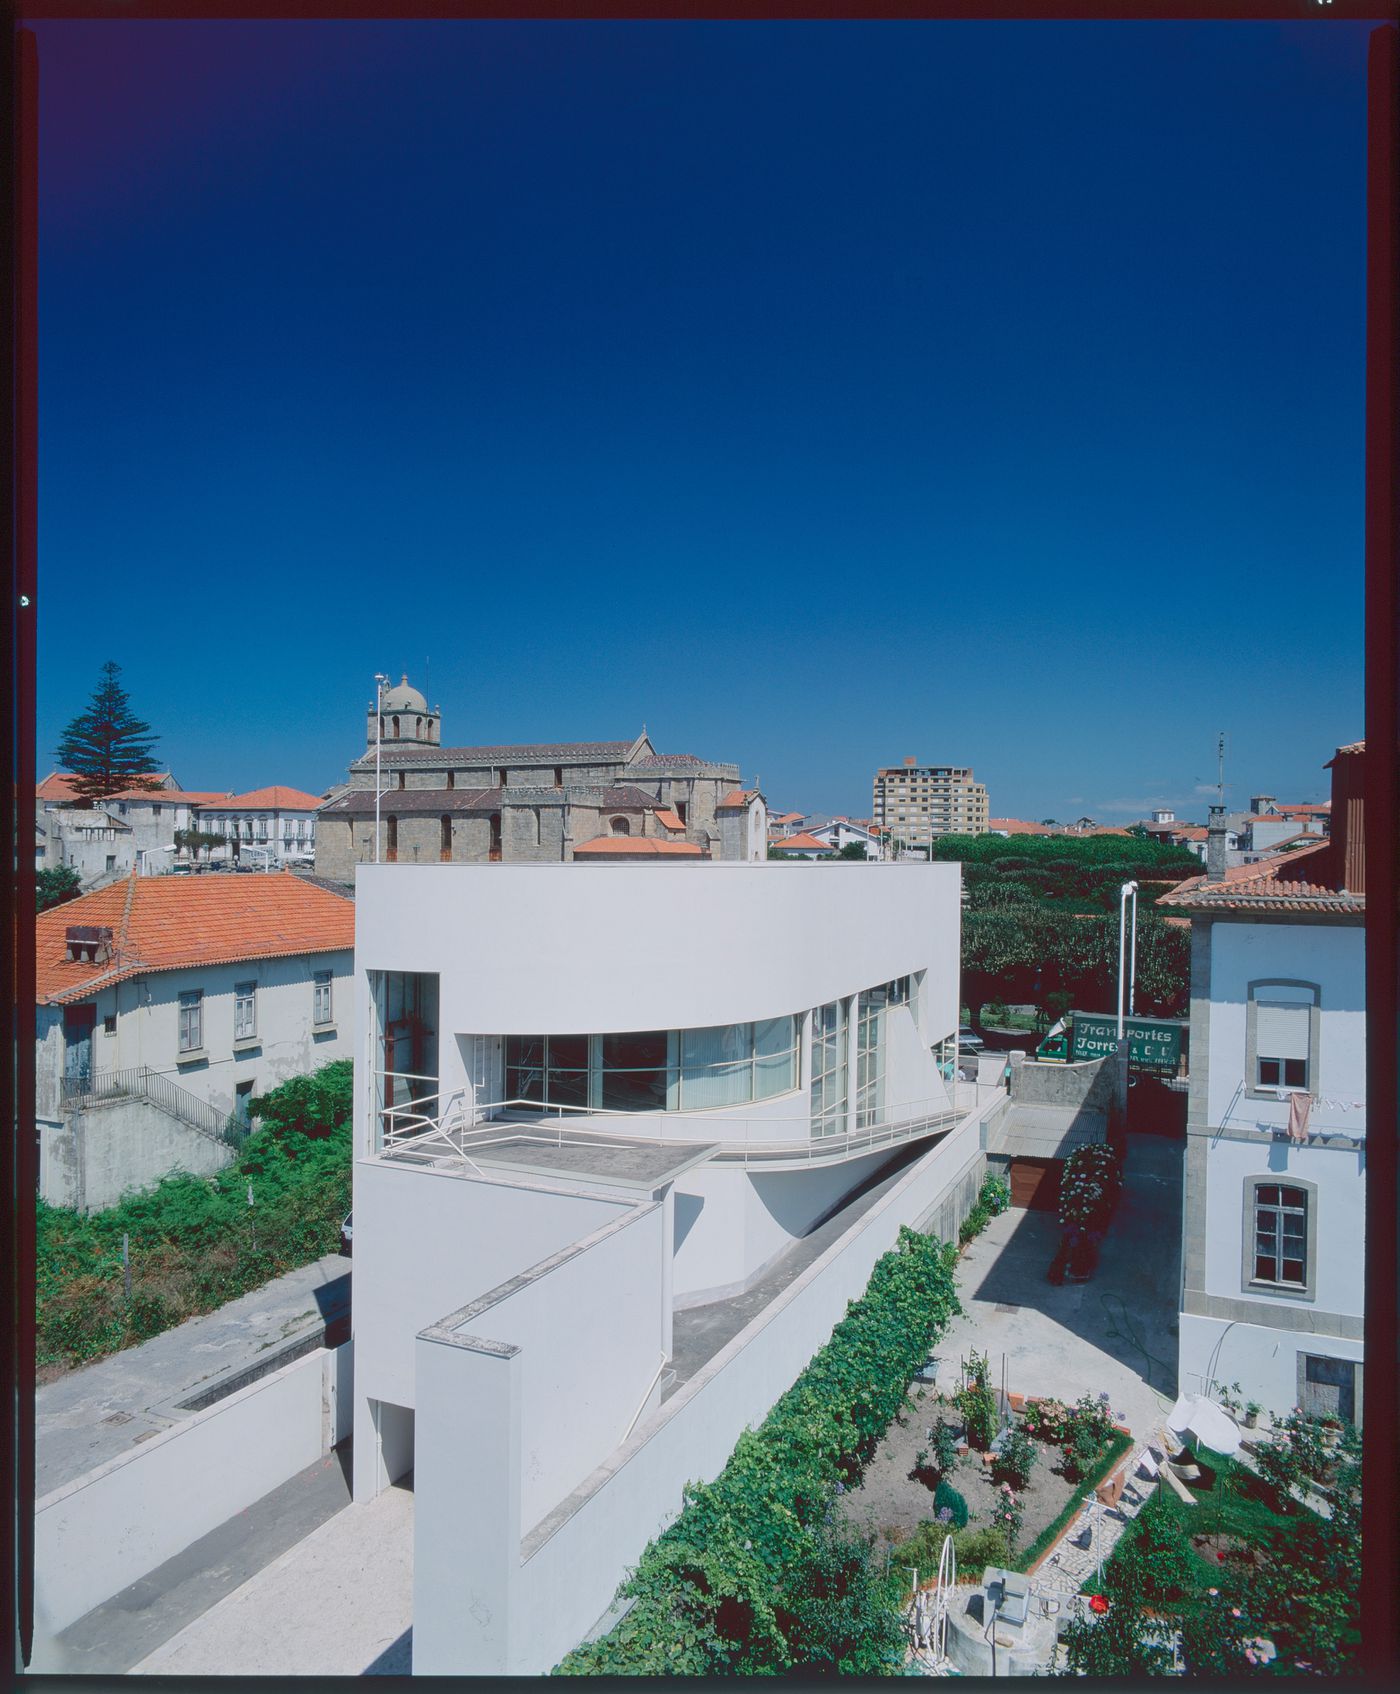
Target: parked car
<point>970,1041</point>
<point>346,1232</point>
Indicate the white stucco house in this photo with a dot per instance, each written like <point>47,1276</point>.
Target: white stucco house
<point>164,1005</point>
<point>1273,1247</point>
<point>143,824</point>
<point>267,826</point>
<point>594,1107</point>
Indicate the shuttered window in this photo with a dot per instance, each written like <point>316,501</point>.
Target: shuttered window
<point>1281,1043</point>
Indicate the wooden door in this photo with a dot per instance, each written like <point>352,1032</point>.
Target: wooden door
<point>1035,1184</point>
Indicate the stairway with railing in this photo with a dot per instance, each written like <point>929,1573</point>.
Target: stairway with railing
<point>142,1083</point>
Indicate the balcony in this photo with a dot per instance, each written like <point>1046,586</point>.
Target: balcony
<point>502,1131</point>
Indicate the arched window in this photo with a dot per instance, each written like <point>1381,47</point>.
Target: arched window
<point>391,850</point>
<point>396,728</point>
<point>494,850</point>
<point>620,826</point>
<point>418,726</point>
<point>445,837</point>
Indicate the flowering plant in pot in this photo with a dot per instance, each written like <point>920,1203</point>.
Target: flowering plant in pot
<point>1089,1184</point>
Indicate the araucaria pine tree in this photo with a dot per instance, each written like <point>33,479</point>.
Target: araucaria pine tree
<point>107,747</point>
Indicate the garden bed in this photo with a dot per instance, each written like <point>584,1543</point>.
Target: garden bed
<point>892,1501</point>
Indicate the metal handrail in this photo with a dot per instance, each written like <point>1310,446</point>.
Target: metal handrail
<point>660,1370</point>
<point>142,1082</point>
<point>412,1131</point>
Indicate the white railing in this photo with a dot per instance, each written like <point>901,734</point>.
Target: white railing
<point>433,1126</point>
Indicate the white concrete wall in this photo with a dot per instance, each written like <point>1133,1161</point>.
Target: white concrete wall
<point>480,1610</point>
<point>105,1530</point>
<point>1334,957</point>
<point>428,1242</point>
<point>525,948</point>
<point>593,1332</point>
<point>1263,1360</point>
<point>731,1222</point>
<point>91,1158</point>
<point>288,1043</point>
<point>1338,1172</point>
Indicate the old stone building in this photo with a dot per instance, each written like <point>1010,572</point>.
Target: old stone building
<point>523,804</point>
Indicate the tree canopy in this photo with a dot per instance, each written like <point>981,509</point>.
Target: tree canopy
<point>107,748</point>
<point>55,886</point>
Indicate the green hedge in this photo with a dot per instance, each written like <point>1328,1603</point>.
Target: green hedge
<point>724,1589</point>
<point>193,1244</point>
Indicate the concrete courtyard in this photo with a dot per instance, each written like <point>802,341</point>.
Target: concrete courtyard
<point>1115,1333</point>
<point>339,1603</point>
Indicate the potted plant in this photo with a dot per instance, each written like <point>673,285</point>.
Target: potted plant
<point>1251,1414</point>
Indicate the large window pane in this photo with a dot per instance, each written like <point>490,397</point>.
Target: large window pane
<point>775,1057</point>
<point>716,1067</point>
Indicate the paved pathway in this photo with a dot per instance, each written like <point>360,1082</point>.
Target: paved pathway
<point>339,1603</point>
<point>114,1636</point>
<point>93,1414</point>
<point>699,1332</point>
<point>1116,1332</point>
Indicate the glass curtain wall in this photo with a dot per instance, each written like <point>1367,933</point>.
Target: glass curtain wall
<point>829,1069</point>
<point>870,1056</point>
<point>691,1070</point>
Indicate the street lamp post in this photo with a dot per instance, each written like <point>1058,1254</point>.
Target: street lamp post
<point>1129,890</point>
<point>379,680</point>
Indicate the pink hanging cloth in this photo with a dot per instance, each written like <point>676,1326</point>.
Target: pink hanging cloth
<point>1299,1110</point>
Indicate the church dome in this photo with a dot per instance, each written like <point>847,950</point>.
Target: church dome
<point>404,699</point>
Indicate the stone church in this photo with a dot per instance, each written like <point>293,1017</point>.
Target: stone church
<point>534,804</point>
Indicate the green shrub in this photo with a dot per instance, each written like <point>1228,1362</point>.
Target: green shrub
<point>978,1404</point>
<point>1016,1459</point>
<point>974,1549</point>
<point>947,1499</point>
<point>191,1238</point>
<point>722,1589</point>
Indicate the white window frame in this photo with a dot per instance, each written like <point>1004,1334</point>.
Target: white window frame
<point>323,1002</point>
<point>245,1011</point>
<point>191,1020</point>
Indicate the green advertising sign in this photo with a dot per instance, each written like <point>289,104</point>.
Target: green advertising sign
<point>1153,1043</point>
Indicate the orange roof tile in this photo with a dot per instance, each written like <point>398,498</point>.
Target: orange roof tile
<point>788,817</point>
<point>162,923</point>
<point>739,797</point>
<point>62,785</point>
<point>1280,881</point>
<point>804,842</point>
<point>608,846</point>
<point>271,799</point>
<point>1018,826</point>
<point>669,819</point>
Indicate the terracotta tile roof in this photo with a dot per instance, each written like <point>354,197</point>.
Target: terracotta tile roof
<point>1018,826</point>
<point>739,797</point>
<point>402,802</point>
<point>163,923</point>
<point>788,817</point>
<point>61,785</point>
<point>271,799</point>
<point>1300,881</point>
<point>669,820</point>
<point>682,761</point>
<point>803,842</point>
<point>636,847</point>
<point>522,753</point>
<point>191,796</point>
<point>624,795</point>
<point>1351,747</point>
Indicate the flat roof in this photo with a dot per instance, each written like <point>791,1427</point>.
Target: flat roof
<point>1048,1132</point>
<point>616,1161</point>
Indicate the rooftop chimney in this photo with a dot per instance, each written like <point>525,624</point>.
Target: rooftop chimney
<point>88,944</point>
<point>911,761</point>
<point>1215,845</point>
<point>1348,770</point>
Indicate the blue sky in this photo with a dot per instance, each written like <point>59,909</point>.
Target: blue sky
<point>815,394</point>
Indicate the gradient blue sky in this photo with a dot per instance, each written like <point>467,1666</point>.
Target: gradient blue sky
<point>816,394</point>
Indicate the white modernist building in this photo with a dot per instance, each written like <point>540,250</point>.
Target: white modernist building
<point>1273,1247</point>
<point>593,1106</point>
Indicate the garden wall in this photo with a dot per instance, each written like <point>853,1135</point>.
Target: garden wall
<point>486,1603</point>
<point>103,1531</point>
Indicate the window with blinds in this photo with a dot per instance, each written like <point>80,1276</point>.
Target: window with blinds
<point>1282,1031</point>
